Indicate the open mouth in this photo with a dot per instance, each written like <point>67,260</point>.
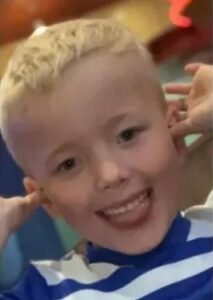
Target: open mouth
<point>131,212</point>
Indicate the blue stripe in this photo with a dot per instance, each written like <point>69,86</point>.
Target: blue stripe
<point>198,287</point>
<point>170,254</point>
<point>32,287</point>
<point>125,275</point>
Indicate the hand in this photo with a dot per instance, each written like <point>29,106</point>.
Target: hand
<point>14,212</point>
<point>196,110</point>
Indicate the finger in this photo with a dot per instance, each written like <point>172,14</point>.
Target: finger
<point>178,88</point>
<point>19,209</point>
<point>34,198</point>
<point>180,104</point>
<point>182,129</point>
<point>22,208</point>
<point>192,68</point>
<point>182,115</point>
<point>30,202</point>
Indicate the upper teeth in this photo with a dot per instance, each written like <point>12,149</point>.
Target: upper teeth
<point>127,207</point>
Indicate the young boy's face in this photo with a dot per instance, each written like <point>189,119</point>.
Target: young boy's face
<point>102,151</point>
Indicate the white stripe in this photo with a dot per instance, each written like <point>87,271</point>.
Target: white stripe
<point>51,276</point>
<point>200,212</point>
<point>95,295</point>
<point>200,229</point>
<point>103,270</point>
<point>151,281</point>
<point>76,269</point>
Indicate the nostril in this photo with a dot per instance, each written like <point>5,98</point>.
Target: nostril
<point>110,182</point>
<point>109,173</point>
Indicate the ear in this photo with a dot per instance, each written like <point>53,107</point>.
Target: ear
<point>172,115</point>
<point>172,118</point>
<point>32,186</point>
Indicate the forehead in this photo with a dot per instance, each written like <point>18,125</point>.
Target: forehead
<point>100,76</point>
<point>92,91</point>
<point>97,80</point>
<point>105,71</point>
<point>97,85</point>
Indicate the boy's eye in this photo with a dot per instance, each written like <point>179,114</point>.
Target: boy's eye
<point>67,165</point>
<point>128,135</point>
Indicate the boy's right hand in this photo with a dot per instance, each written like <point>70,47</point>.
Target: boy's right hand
<point>14,212</point>
<point>196,110</point>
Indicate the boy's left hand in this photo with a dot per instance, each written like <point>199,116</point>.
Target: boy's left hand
<point>196,110</point>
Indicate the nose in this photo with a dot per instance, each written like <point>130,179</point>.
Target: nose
<point>110,174</point>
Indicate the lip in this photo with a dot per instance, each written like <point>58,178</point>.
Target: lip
<point>132,218</point>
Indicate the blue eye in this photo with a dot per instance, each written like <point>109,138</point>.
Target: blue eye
<point>67,165</point>
<point>128,135</point>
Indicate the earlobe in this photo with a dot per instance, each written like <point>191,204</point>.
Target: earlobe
<point>181,147</point>
<point>32,186</point>
<point>172,116</point>
<point>49,206</point>
<point>172,119</point>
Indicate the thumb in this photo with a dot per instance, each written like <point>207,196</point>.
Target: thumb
<point>182,128</point>
<point>31,202</point>
<point>21,208</point>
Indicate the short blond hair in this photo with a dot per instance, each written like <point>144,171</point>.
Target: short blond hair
<point>40,60</point>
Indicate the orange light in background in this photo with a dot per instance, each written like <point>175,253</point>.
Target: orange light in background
<point>175,13</point>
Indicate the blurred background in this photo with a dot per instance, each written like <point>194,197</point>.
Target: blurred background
<point>175,31</point>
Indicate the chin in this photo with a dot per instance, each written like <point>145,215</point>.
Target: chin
<point>137,246</point>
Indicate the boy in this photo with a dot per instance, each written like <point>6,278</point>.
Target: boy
<point>83,114</point>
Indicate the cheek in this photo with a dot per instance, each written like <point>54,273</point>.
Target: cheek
<point>163,167</point>
<point>71,201</point>
<point>159,162</point>
<point>157,155</point>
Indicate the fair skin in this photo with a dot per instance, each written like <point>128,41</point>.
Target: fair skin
<point>104,146</point>
<point>14,212</point>
<point>110,167</point>
<point>196,109</point>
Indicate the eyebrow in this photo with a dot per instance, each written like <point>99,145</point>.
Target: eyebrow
<point>116,120</point>
<point>61,148</point>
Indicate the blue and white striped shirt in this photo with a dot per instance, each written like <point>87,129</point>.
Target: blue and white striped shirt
<point>181,267</point>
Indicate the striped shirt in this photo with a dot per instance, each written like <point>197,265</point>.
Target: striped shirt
<point>181,267</point>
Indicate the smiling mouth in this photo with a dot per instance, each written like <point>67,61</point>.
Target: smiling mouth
<point>131,212</point>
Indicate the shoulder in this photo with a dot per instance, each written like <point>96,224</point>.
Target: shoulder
<point>203,212</point>
<point>201,220</point>
<point>50,277</point>
<point>60,279</point>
